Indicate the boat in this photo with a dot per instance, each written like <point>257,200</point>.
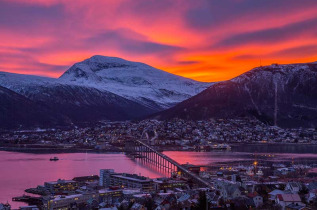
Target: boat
<point>54,159</point>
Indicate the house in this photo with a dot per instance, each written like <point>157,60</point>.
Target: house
<point>293,187</point>
<point>229,192</point>
<point>213,198</point>
<point>312,195</point>
<point>256,200</point>
<point>285,199</point>
<point>312,186</point>
<point>274,193</point>
<point>295,207</point>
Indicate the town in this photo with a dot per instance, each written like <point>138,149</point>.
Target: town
<point>252,186</point>
<point>256,183</point>
<point>176,134</point>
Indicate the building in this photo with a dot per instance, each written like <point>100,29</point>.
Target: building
<point>132,181</point>
<point>228,190</point>
<point>294,187</point>
<point>109,178</point>
<point>109,197</point>
<point>61,185</point>
<point>91,178</point>
<point>71,201</point>
<point>192,168</point>
<point>286,199</point>
<point>295,207</point>
<point>256,200</point>
<point>167,184</point>
<point>104,179</point>
<point>273,194</point>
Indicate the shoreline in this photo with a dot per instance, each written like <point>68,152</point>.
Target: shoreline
<point>55,150</point>
<point>50,150</point>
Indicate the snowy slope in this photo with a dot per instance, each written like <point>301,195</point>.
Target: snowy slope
<point>99,88</point>
<point>139,82</point>
<point>75,102</point>
<point>282,95</point>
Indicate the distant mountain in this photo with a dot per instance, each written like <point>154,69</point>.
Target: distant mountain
<point>17,111</point>
<point>99,88</point>
<point>77,103</point>
<point>282,95</point>
<point>151,87</point>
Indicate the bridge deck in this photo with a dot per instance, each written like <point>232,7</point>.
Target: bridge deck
<point>179,166</point>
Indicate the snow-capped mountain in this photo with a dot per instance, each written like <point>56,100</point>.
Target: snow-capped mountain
<point>139,82</point>
<point>282,95</point>
<point>73,102</point>
<point>101,88</point>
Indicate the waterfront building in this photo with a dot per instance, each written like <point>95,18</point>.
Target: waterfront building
<point>109,178</point>
<point>61,185</point>
<point>109,197</point>
<point>82,179</point>
<point>76,201</point>
<point>104,179</point>
<point>132,181</point>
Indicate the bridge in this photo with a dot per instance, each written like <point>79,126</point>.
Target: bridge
<point>139,149</point>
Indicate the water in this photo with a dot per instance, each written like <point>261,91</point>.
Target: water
<point>19,171</point>
<point>22,170</point>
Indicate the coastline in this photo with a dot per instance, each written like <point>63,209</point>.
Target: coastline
<point>236,147</point>
<point>56,150</point>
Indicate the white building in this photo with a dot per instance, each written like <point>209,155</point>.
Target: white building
<point>285,199</point>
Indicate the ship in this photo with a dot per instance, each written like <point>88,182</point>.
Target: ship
<point>54,159</point>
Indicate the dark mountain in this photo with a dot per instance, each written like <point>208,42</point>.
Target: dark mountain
<point>86,104</point>
<point>282,95</point>
<point>103,88</point>
<point>73,102</point>
<point>17,111</point>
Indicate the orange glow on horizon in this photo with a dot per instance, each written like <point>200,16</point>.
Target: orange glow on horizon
<point>206,41</point>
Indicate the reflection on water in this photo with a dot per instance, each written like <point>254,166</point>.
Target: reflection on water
<point>23,170</point>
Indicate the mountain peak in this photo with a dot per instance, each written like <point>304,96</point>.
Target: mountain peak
<point>133,80</point>
<point>107,59</point>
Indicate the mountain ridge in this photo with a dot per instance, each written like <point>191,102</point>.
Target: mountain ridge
<point>133,80</point>
<point>90,102</point>
<point>283,95</point>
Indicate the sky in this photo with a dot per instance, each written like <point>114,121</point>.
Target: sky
<point>206,40</point>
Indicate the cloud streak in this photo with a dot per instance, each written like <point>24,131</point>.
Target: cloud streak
<point>208,40</point>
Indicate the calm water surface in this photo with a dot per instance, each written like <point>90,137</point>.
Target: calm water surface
<point>19,171</point>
